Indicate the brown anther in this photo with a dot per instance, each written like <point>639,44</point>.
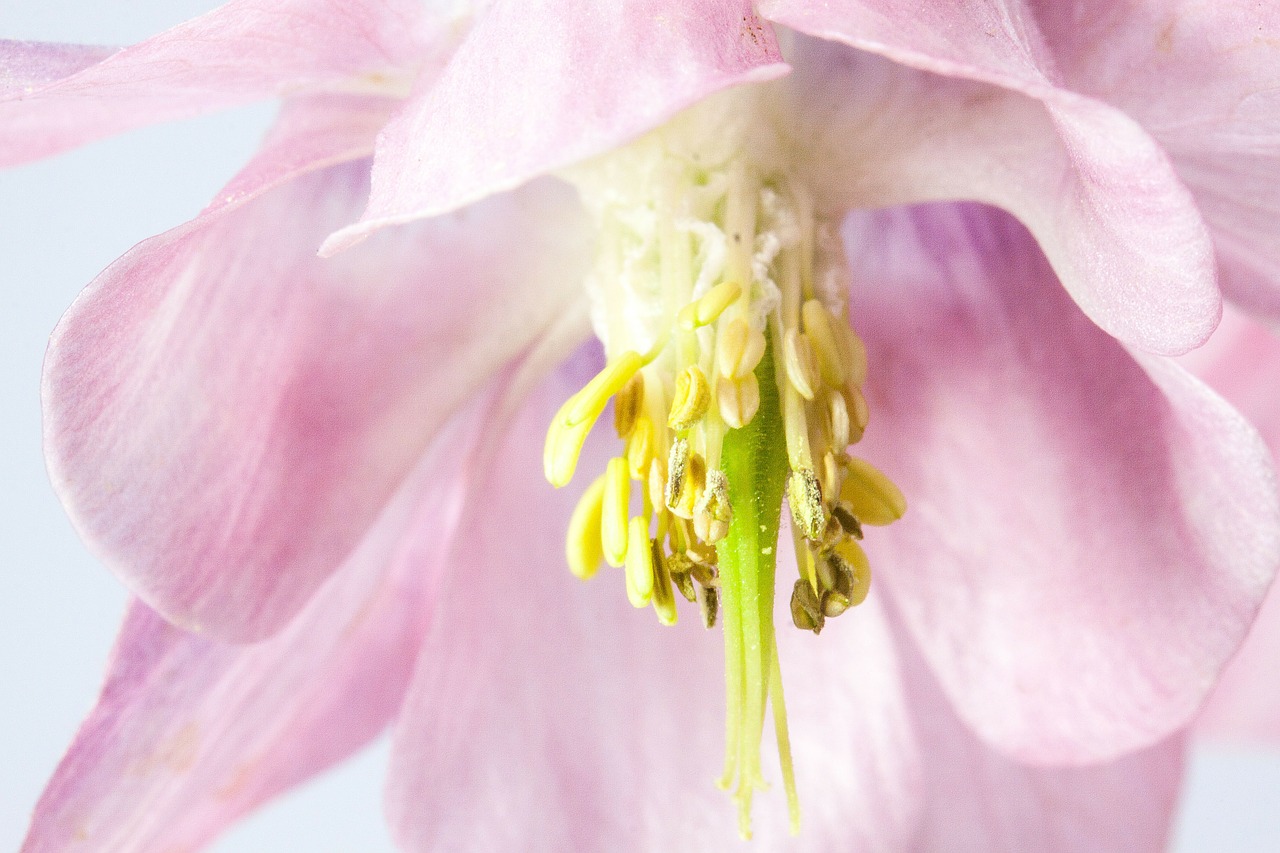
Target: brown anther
<point>705,574</point>
<point>806,610</point>
<point>685,584</point>
<point>804,495</point>
<point>709,599</point>
<point>847,520</point>
<point>626,405</point>
<point>693,395</point>
<point>834,603</point>
<point>801,364</point>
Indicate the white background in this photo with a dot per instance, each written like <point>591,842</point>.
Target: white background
<point>63,220</point>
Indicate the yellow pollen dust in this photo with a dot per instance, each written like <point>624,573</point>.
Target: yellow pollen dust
<point>706,265</point>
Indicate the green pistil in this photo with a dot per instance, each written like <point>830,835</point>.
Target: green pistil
<point>755,461</point>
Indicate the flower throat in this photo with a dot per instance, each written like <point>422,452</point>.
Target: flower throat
<point>720,296</point>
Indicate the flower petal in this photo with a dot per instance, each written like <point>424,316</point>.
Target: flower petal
<point>1089,537</point>
<point>226,413</point>
<point>1121,230</point>
<point>1204,80</point>
<point>541,84</point>
<point>26,66</point>
<point>243,51</point>
<point>1240,362</point>
<point>190,733</point>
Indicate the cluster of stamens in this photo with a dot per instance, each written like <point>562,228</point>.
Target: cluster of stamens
<point>739,263</point>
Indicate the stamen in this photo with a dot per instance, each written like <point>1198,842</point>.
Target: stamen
<point>639,564</point>
<point>592,399</point>
<point>677,465</point>
<point>693,395</point>
<point>801,364</point>
<point>738,349</point>
<point>709,308</point>
<point>738,400</point>
<point>805,497</point>
<point>627,405</point>
<point>872,496</point>
<point>614,511</point>
<point>583,546</point>
<point>817,324</point>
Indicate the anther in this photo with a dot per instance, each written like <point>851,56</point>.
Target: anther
<point>693,395</point>
<point>805,498</point>
<point>695,478</point>
<point>857,582</point>
<point>640,449</point>
<point>583,546</point>
<point>871,496</point>
<point>801,365</point>
<point>614,510</point>
<point>709,601</point>
<point>838,420</point>
<point>846,519</point>
<point>683,581</point>
<point>664,603</point>
<point>806,610</point>
<point>859,414</point>
<point>817,324</point>
<point>738,400</point>
<point>712,514</point>
<point>709,308</point>
<point>739,348</point>
<point>639,564</point>
<point>852,352</point>
<point>627,404</point>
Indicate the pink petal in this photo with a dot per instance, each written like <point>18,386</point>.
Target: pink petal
<point>26,66</point>
<point>1122,232</point>
<point>226,413</point>
<point>541,84</point>
<point>1204,80</point>
<point>243,51</point>
<point>1089,537</point>
<point>1240,362</point>
<point>547,714</point>
<point>191,733</point>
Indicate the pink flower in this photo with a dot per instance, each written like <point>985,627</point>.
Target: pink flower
<point>322,476</point>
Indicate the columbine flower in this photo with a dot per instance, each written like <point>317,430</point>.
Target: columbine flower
<point>324,477</point>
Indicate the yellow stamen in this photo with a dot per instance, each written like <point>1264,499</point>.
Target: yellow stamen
<point>871,495</point>
<point>614,511</point>
<point>583,546</point>
<point>818,326</point>
<point>709,308</point>
<point>639,564</point>
<point>853,554</point>
<point>739,349</point>
<point>640,448</point>
<point>591,400</point>
<point>801,363</point>
<point>738,400</point>
<point>693,395</point>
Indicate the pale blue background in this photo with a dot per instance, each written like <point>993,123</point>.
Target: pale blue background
<point>61,221</point>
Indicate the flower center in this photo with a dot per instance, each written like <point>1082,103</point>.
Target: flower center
<point>720,296</point>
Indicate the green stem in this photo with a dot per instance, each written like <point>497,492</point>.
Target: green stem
<point>755,462</point>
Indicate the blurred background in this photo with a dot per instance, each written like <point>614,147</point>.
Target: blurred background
<point>63,220</point>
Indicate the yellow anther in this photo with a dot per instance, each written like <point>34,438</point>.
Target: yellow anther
<point>693,395</point>
<point>639,563</point>
<point>860,581</point>
<point>614,511</point>
<point>872,496</point>
<point>838,420</point>
<point>695,478</point>
<point>640,449</point>
<point>664,600</point>
<point>657,483</point>
<point>853,353</point>
<point>627,405</point>
<point>709,308</point>
<point>583,546</point>
<point>738,400</point>
<point>591,400</point>
<point>805,498</point>
<point>801,363</point>
<point>563,446</point>
<point>739,349</point>
<point>817,325</point>
<point>859,414</point>
<point>832,475</point>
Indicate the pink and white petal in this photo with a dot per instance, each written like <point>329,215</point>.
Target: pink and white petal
<point>26,66</point>
<point>548,714</point>
<point>225,413</point>
<point>982,801</point>
<point>243,51</point>
<point>1121,230</point>
<point>1204,80</point>
<point>541,84</point>
<point>1240,363</point>
<point>1090,535</point>
<point>191,733</point>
